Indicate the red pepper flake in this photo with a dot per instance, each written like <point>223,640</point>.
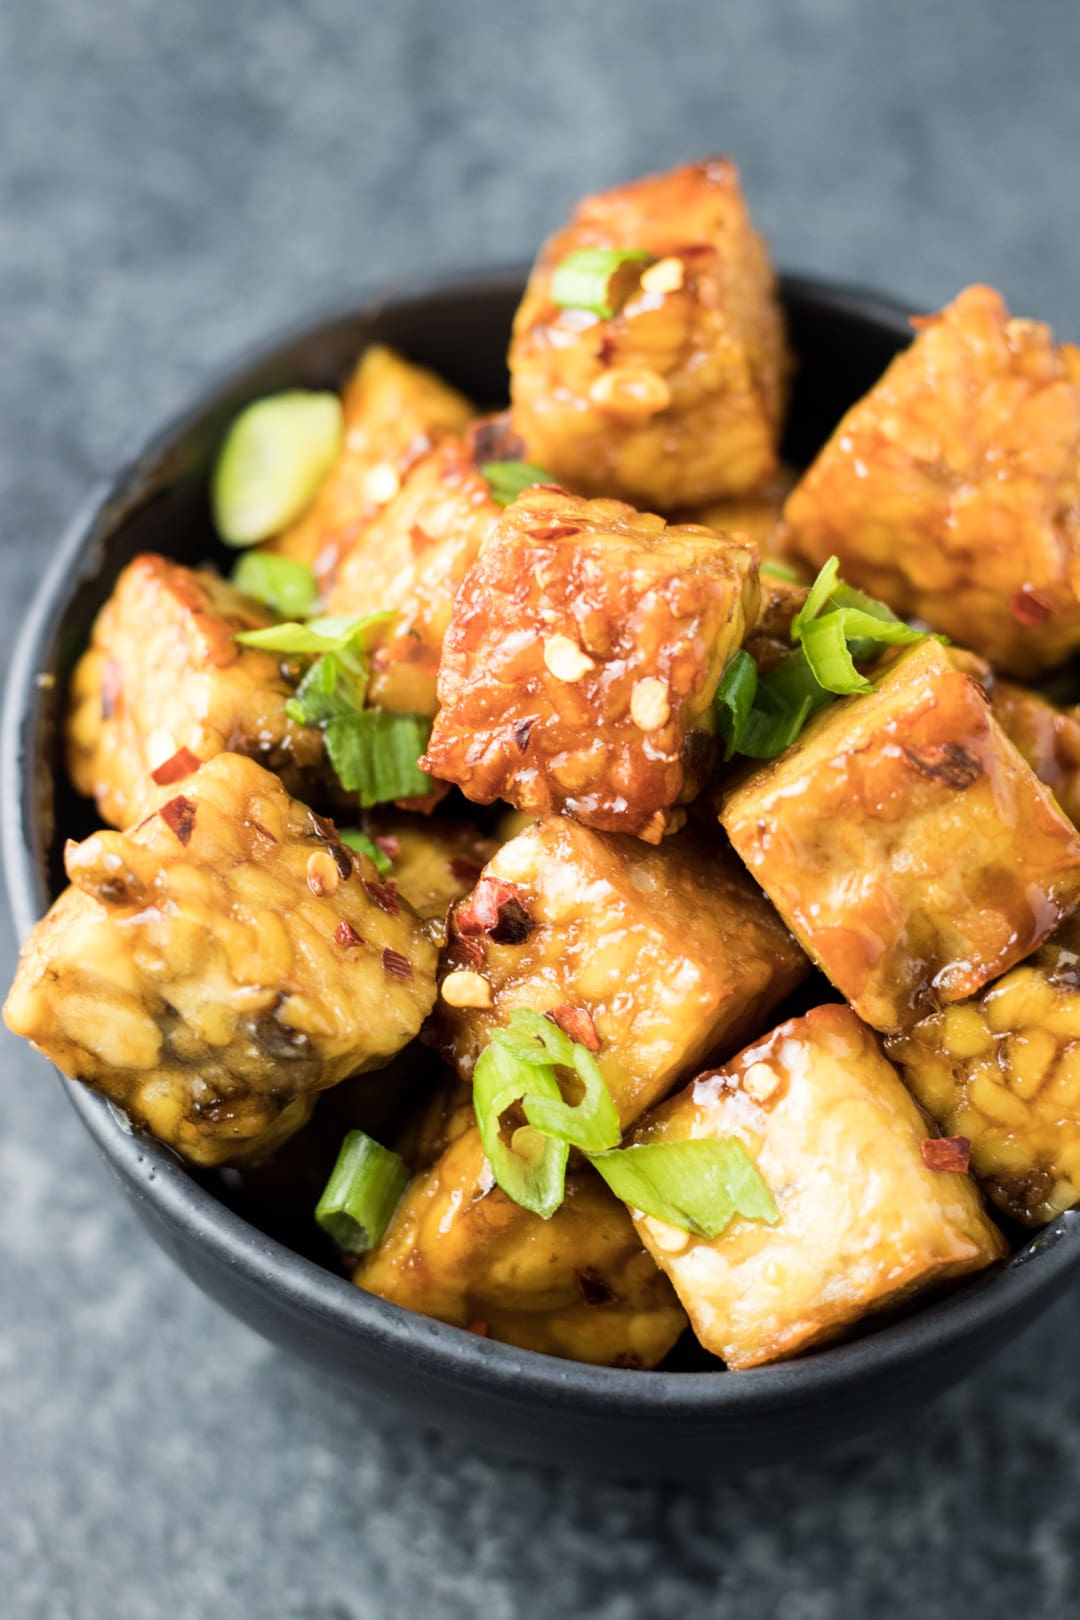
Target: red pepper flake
<point>346,936</point>
<point>179,814</point>
<point>1030,607</point>
<point>263,832</point>
<point>523,731</point>
<point>390,846</point>
<point>479,1328</point>
<point>576,1022</point>
<point>595,1291</point>
<point>552,489</point>
<point>946,1153</point>
<point>558,531</point>
<point>494,908</point>
<point>471,949</point>
<point>176,767</point>
<point>384,895</point>
<point>398,966</point>
<point>419,539</point>
<point>465,871</point>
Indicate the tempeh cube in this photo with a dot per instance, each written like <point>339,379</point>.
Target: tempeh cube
<point>952,489</point>
<point>579,1285</point>
<point>393,412</point>
<point>1003,1070</point>
<point>864,1222</point>
<point>675,398</point>
<point>657,959</point>
<point>164,685</point>
<point>907,844</point>
<point>411,558</point>
<point>585,647</point>
<point>215,969</point>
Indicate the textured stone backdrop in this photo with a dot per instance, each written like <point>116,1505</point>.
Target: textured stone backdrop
<point>175,180</point>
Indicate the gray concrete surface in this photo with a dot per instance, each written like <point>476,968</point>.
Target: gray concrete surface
<point>174,181</point>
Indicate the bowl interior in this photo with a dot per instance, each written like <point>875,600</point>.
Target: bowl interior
<point>842,340</point>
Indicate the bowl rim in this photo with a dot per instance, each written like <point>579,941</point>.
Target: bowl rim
<point>440,1352</point>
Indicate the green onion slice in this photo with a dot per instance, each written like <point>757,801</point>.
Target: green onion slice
<point>345,636</point>
<point>699,1184</point>
<point>583,279</point>
<point>355,839</point>
<point>591,1124</point>
<point>530,1167</point>
<point>284,583</point>
<point>276,454</point>
<point>735,699</point>
<point>328,691</point>
<point>818,595</point>
<point>363,1191</point>
<point>780,570</point>
<point>509,479</point>
<point>375,753</point>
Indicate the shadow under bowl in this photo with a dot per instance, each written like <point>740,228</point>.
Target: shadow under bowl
<point>673,1424</point>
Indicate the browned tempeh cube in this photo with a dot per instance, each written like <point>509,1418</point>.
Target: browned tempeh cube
<point>657,958</point>
<point>676,398</point>
<point>907,844</point>
<point>952,489</point>
<point>585,648</point>
<point>164,685</point>
<point>215,969</point>
<point>864,1222</point>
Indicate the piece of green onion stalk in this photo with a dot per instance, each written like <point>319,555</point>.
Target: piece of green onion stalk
<point>353,838</point>
<point>284,584</point>
<point>699,1184</point>
<point>363,1191</point>
<point>583,279</point>
<point>276,454</point>
<point>509,479</point>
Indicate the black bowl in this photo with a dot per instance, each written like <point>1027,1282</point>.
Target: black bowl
<point>665,1423</point>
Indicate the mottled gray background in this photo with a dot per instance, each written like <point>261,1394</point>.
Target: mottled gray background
<point>175,180</point>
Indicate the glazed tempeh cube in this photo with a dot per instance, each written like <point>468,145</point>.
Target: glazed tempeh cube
<point>864,1223</point>
<point>393,413</point>
<point>411,558</point>
<point>164,685</point>
<point>907,844</point>
<point>657,959</point>
<point>676,397</point>
<point>952,489</point>
<point>585,648</point>
<point>579,1285</point>
<point>215,969</point>
<point>1047,736</point>
<point>1003,1069</point>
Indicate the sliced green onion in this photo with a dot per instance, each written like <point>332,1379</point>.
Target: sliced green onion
<point>509,479</point>
<point>826,649</point>
<point>276,454</point>
<point>833,641</point>
<point>374,754</point>
<point>355,839</point>
<point>285,584</point>
<point>583,279</point>
<point>780,570</point>
<point>327,692</point>
<point>531,1167</point>
<point>338,634</point>
<point>768,732</point>
<point>698,1184</point>
<point>591,1124</point>
<point>363,1191</point>
<point>734,700</point>
<point>818,595</point>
